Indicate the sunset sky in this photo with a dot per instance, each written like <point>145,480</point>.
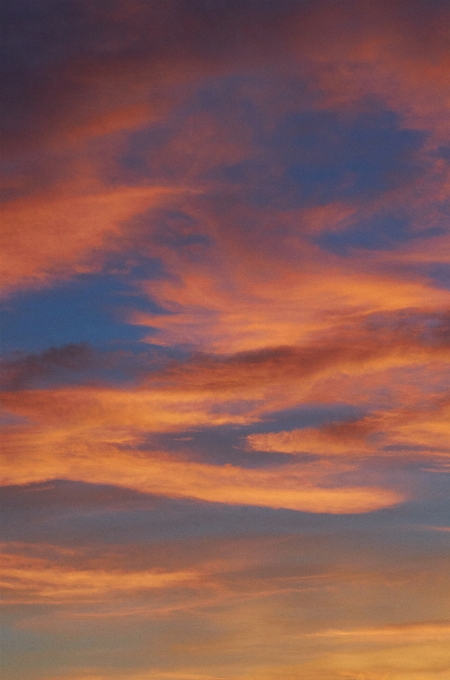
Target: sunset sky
<point>226,339</point>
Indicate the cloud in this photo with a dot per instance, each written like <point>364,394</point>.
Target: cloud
<point>99,70</point>
<point>100,62</point>
<point>261,189</point>
<point>331,440</point>
<point>56,455</point>
<point>416,650</point>
<point>209,387</point>
<point>94,76</point>
<point>424,430</point>
<point>47,238</point>
<point>253,278</point>
<point>92,50</point>
<point>215,323</point>
<point>255,607</point>
<point>369,346</point>
<point>407,632</point>
<point>95,434</point>
<point>20,372</point>
<point>32,581</point>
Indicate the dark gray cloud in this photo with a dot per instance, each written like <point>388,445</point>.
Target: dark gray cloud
<point>25,370</point>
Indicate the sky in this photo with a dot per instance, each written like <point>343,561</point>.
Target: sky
<point>226,339</point>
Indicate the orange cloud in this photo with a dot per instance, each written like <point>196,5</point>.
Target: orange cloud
<point>271,606</point>
<point>208,388</point>
<point>253,290</point>
<point>93,434</point>
<point>33,580</point>
<point>331,440</point>
<point>46,238</point>
<point>425,429</point>
<point>101,462</point>
<point>418,650</point>
<point>407,632</point>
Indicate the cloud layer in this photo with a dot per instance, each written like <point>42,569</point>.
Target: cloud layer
<point>225,390</point>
